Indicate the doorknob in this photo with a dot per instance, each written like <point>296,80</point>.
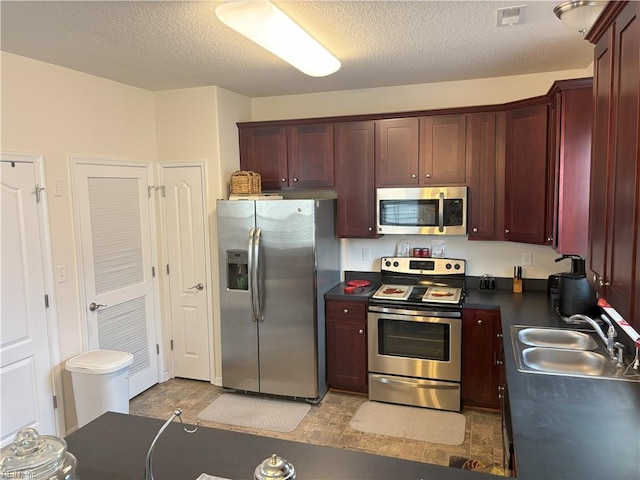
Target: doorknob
<point>95,306</point>
<point>197,286</point>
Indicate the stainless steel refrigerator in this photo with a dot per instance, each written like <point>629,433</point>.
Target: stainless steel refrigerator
<point>277,260</point>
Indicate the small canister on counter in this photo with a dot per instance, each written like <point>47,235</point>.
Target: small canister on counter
<point>425,252</point>
<point>416,252</point>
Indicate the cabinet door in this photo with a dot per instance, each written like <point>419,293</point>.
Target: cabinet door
<point>601,161</point>
<point>624,195</point>
<point>311,156</point>
<point>346,349</point>
<point>355,179</point>
<point>573,149</point>
<point>526,175</point>
<point>481,156</point>
<point>442,150</point>
<point>396,154</point>
<point>481,340</point>
<point>264,150</point>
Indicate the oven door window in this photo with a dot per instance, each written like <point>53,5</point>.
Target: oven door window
<point>421,340</point>
<point>409,213</point>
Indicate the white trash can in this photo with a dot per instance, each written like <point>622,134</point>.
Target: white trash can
<point>100,380</point>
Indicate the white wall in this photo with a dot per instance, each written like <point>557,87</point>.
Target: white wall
<point>57,112</point>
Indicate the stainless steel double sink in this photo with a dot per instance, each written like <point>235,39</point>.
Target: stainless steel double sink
<point>560,351</point>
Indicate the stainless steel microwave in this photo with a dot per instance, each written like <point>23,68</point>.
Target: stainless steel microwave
<point>422,211</point>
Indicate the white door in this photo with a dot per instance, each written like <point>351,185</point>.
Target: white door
<point>114,220</point>
<point>185,224</point>
<point>25,370</point>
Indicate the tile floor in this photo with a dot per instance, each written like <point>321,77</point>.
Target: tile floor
<point>328,424</point>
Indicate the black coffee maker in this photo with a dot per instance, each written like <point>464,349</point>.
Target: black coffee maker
<point>575,294</point>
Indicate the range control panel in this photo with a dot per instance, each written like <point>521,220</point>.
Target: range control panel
<point>423,266</point>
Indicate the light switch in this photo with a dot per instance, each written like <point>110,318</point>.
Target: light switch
<point>57,188</point>
<point>61,273</point>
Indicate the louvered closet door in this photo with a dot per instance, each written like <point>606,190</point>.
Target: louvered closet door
<point>115,229</point>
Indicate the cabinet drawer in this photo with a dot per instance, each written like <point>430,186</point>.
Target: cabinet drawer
<point>347,310</point>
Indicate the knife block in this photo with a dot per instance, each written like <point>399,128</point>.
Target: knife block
<point>517,285</point>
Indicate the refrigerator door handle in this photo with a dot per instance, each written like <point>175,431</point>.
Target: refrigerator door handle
<point>250,268</point>
<point>256,271</point>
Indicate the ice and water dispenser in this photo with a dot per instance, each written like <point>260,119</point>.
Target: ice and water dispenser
<point>237,271</point>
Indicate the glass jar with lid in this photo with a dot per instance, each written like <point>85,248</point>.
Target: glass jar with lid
<point>37,457</point>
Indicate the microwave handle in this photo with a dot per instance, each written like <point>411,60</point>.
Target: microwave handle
<point>441,212</point>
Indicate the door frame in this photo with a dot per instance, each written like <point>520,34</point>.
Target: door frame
<point>74,161</point>
<point>166,304</point>
<point>51,313</point>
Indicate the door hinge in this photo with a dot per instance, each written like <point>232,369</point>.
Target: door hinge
<point>167,269</point>
<point>171,344</point>
<point>55,402</point>
<point>155,187</point>
<point>38,190</point>
<point>46,301</point>
<point>157,349</point>
<point>153,271</point>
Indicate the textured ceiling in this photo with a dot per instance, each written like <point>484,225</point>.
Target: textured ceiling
<point>167,45</point>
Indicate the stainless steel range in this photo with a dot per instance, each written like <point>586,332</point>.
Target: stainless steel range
<point>415,332</point>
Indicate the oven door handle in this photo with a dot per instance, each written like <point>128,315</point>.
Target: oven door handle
<point>437,386</point>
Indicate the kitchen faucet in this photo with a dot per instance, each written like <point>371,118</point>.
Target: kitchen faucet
<point>615,349</point>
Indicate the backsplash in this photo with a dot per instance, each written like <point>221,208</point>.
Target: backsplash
<point>495,258</point>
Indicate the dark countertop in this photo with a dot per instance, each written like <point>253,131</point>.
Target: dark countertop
<point>114,446</point>
<point>563,427</point>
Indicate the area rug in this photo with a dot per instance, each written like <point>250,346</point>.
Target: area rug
<point>255,412</point>
<point>435,426</point>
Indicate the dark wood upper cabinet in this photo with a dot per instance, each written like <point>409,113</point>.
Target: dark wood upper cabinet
<point>396,152</point>
<point>289,156</point>
<point>264,150</point>
<point>571,123</point>
<point>355,179</point>
<point>614,240</point>
<point>311,163</point>
<point>526,174</point>
<point>481,157</point>
<point>442,150</point>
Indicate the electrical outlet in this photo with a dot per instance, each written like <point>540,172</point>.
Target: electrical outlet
<point>366,253</point>
<point>526,259</point>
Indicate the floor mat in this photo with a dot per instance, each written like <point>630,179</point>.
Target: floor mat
<point>255,412</point>
<point>416,423</point>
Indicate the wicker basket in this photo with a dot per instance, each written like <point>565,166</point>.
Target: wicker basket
<point>243,182</point>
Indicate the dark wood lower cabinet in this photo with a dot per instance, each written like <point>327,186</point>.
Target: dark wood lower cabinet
<point>347,345</point>
<point>482,376</point>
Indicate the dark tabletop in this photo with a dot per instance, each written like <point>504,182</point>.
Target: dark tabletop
<point>114,446</point>
<point>563,427</point>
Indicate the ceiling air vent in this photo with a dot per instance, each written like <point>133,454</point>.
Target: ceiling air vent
<point>510,15</point>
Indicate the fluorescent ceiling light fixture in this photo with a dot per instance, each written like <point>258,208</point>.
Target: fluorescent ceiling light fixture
<point>268,26</point>
<point>579,16</point>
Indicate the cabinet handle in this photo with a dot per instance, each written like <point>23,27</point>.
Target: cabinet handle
<point>283,179</point>
<point>549,238</point>
<point>371,229</point>
<point>480,322</point>
<point>603,283</point>
<point>361,331</point>
<point>506,230</point>
<point>498,335</point>
<point>428,175</point>
<point>474,229</point>
<point>295,179</point>
<point>345,311</point>
<point>414,176</point>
